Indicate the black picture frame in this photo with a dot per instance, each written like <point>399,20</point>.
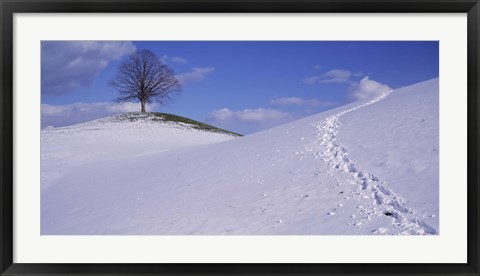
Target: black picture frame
<point>9,7</point>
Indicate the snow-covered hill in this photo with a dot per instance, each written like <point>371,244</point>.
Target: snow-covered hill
<point>128,135</point>
<point>370,167</point>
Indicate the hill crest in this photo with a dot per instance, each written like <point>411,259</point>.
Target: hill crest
<point>157,117</point>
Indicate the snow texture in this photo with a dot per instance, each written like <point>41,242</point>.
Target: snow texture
<point>370,167</point>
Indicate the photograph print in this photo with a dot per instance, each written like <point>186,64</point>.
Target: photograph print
<point>239,138</point>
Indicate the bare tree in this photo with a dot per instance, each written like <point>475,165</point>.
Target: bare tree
<point>143,77</point>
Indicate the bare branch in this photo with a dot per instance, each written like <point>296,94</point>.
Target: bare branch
<point>143,77</point>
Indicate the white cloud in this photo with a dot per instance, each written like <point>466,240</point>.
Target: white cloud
<point>62,115</point>
<point>332,76</point>
<point>358,74</point>
<point>300,102</point>
<point>168,59</point>
<point>67,65</point>
<point>311,80</point>
<point>223,114</point>
<point>248,120</point>
<point>317,67</point>
<point>363,89</point>
<point>367,88</point>
<point>197,74</point>
<point>179,60</point>
<point>260,115</point>
<point>336,76</point>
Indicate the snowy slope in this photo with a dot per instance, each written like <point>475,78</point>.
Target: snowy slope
<point>365,168</point>
<point>118,136</point>
<point>408,132</point>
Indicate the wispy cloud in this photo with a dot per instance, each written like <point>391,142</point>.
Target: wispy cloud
<point>179,60</point>
<point>311,80</point>
<point>336,76</point>
<point>358,74</point>
<point>247,121</point>
<point>173,59</point>
<point>332,76</point>
<point>197,74</point>
<point>316,67</point>
<point>68,65</point>
<point>62,115</point>
<point>260,115</point>
<point>358,90</point>
<point>300,102</point>
<point>367,88</point>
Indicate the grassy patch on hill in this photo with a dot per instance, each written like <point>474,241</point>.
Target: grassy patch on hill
<point>166,117</point>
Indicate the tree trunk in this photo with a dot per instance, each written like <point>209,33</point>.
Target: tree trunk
<point>143,106</point>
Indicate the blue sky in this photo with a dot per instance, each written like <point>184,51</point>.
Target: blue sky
<point>243,86</point>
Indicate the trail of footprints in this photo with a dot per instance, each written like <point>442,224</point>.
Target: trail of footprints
<point>383,202</point>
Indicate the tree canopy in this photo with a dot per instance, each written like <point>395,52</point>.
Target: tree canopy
<point>143,77</point>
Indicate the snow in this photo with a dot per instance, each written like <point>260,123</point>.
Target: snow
<point>111,138</point>
<point>370,167</point>
<point>404,148</point>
